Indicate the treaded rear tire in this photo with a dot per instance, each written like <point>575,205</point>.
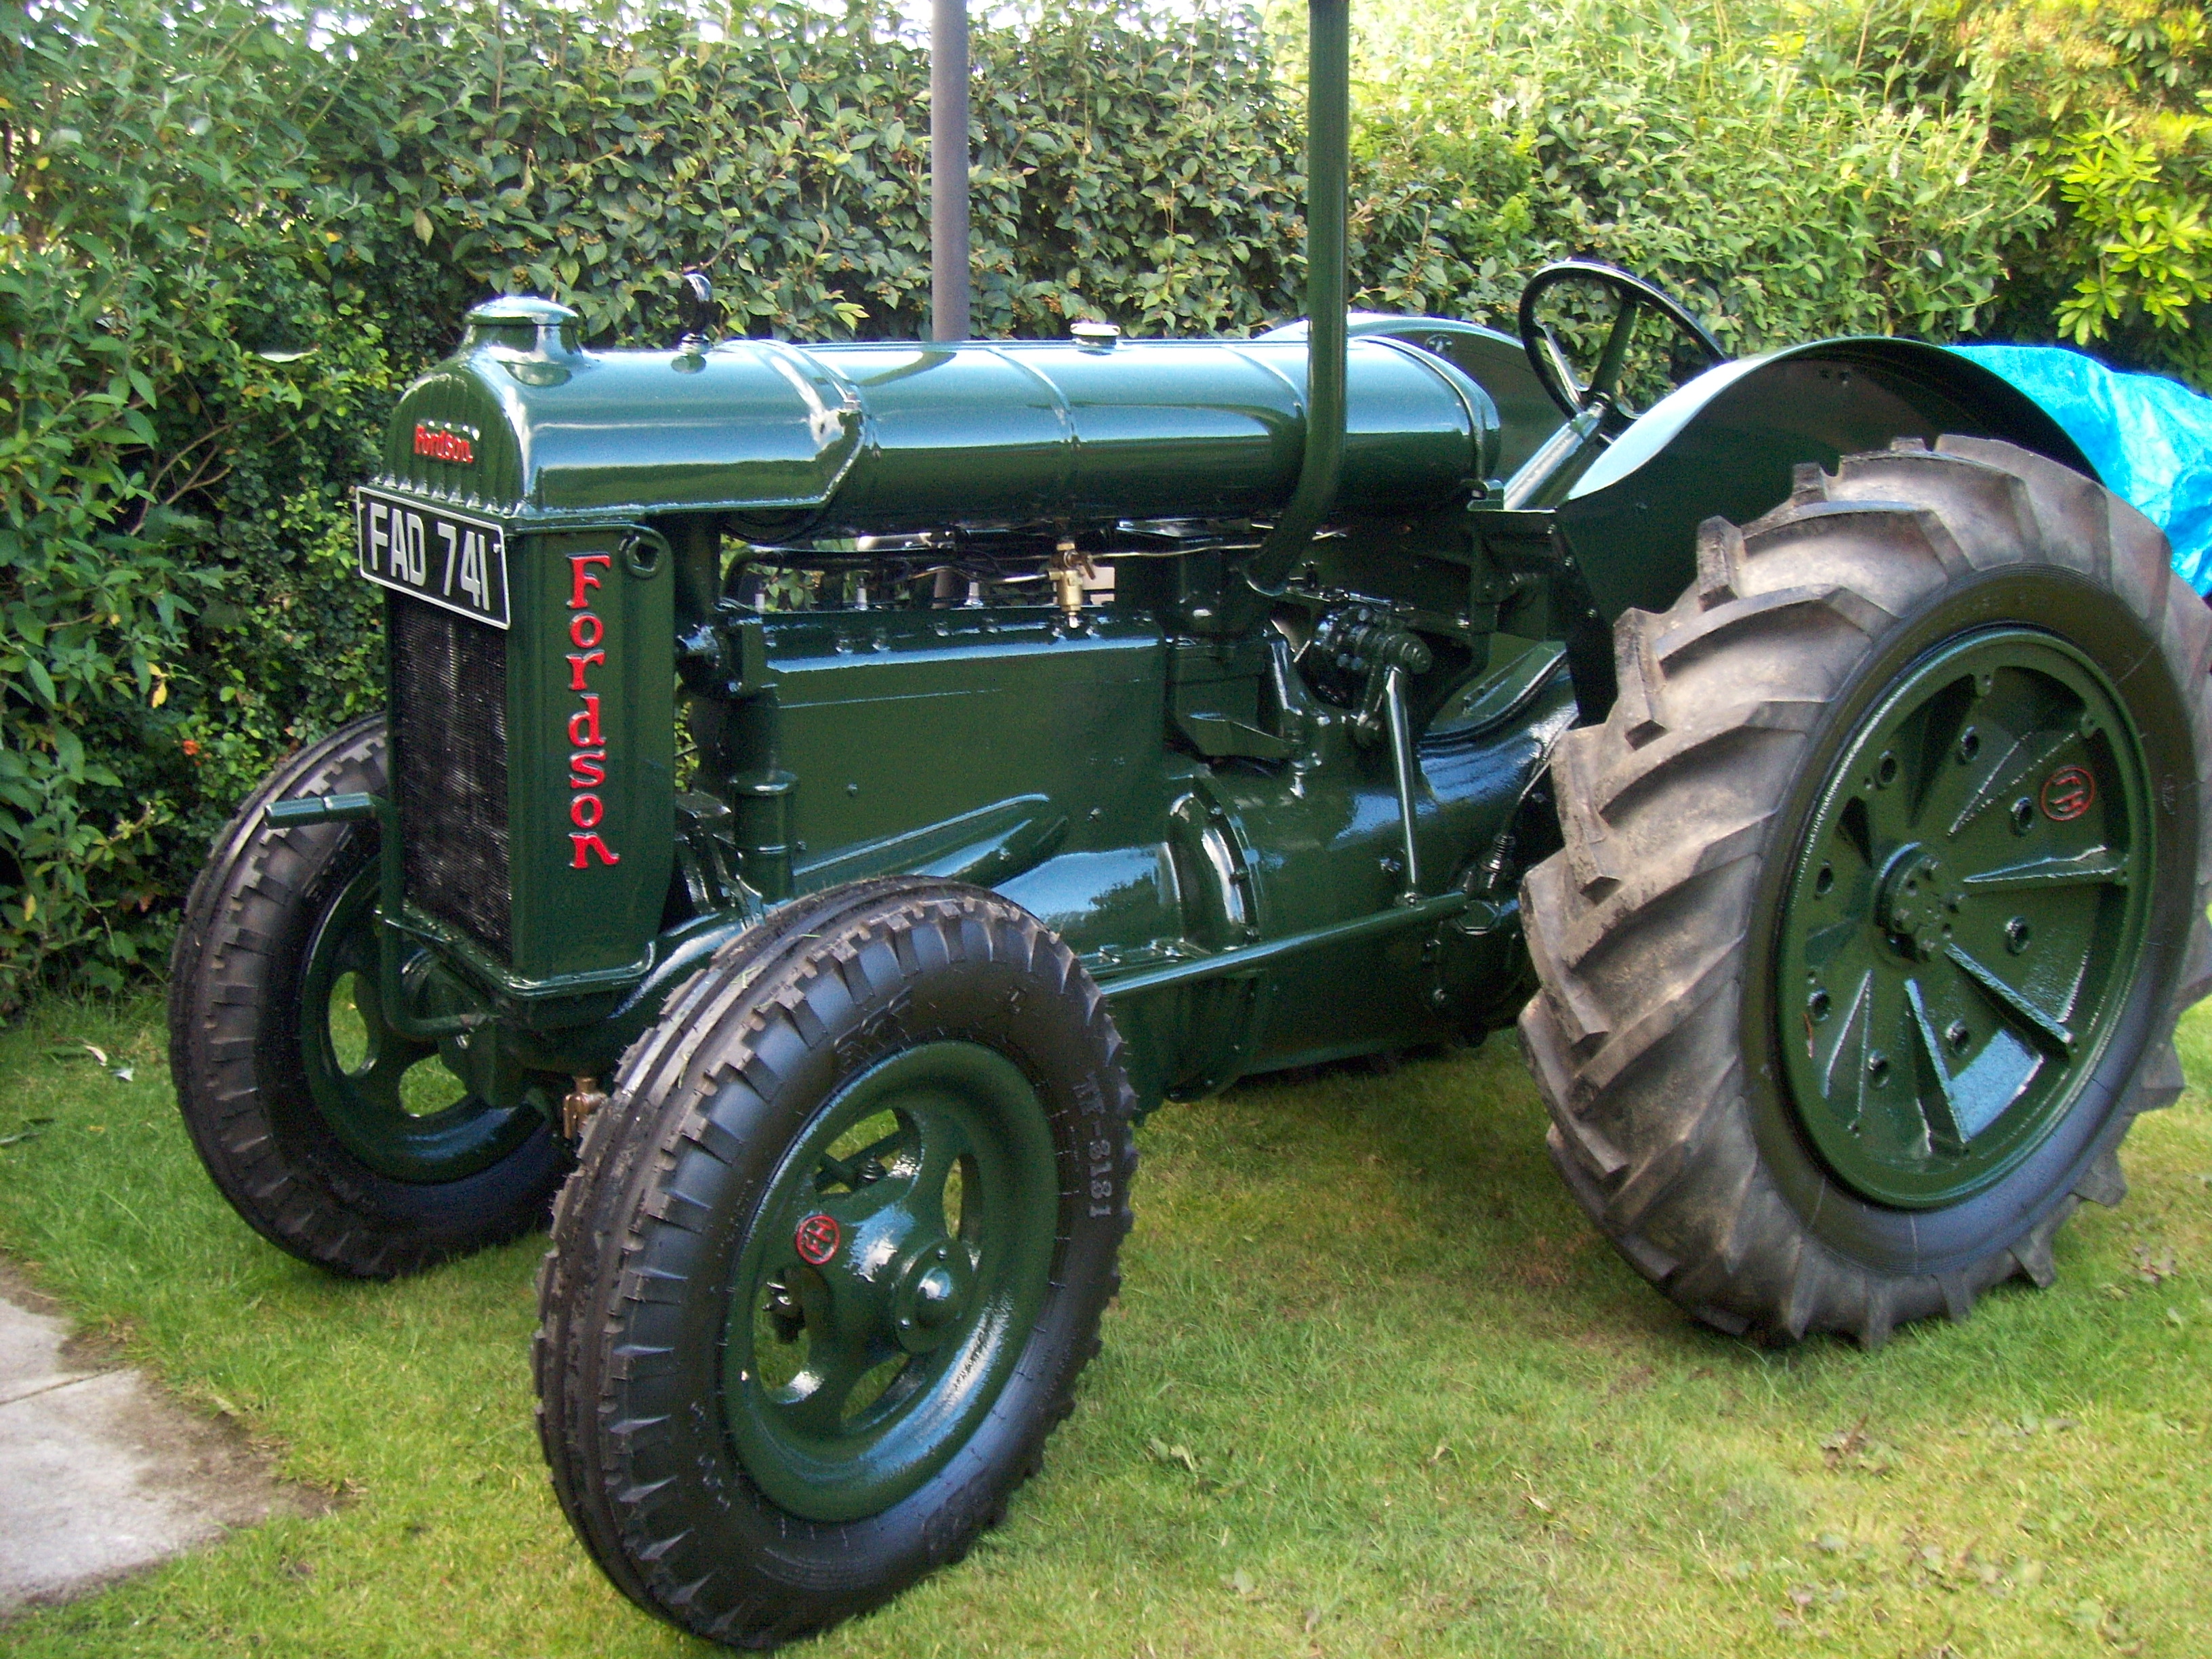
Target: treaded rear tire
<point>1652,1039</point>
<point>670,1173</point>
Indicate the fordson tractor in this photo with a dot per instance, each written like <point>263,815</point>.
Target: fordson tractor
<point>1812,762</point>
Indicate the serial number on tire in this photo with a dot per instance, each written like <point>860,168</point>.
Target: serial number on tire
<point>456,562</point>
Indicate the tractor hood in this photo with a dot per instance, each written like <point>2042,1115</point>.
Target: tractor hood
<point>523,423</point>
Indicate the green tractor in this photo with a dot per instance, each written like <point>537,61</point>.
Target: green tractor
<point>1812,762</point>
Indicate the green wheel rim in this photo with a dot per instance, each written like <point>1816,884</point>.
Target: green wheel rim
<point>893,1273</point>
<point>1966,917</point>
<point>401,1115</point>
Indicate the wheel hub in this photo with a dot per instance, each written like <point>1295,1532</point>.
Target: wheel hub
<point>890,1279</point>
<point>1911,904</point>
<point>1963,918</point>
<point>400,1107</point>
<point>932,1295</point>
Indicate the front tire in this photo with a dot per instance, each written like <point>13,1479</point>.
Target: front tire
<point>336,1139</point>
<point>1881,891</point>
<point>834,1256</point>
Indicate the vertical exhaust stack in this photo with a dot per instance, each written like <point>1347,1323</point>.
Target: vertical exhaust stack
<point>949,266</point>
<point>1328,129</point>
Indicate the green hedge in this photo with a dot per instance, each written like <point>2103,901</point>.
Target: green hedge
<point>227,242</point>
<point>1782,201</point>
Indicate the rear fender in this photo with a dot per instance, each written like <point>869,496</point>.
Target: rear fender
<point>1728,442</point>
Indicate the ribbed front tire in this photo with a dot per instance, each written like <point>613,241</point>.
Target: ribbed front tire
<point>315,1146</point>
<point>764,1228</point>
<point>1753,1153</point>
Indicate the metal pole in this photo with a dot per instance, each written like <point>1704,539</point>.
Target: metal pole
<point>949,264</point>
<point>1328,129</point>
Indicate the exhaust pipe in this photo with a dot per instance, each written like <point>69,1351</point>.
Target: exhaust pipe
<point>1328,129</point>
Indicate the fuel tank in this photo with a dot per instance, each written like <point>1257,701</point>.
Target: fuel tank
<point>849,440</point>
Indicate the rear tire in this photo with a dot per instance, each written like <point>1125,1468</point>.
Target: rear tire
<point>782,1374</point>
<point>311,1144</point>
<point>1758,1088</point>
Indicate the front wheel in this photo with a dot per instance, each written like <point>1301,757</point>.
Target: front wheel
<point>334,1136</point>
<point>832,1260</point>
<point>1881,891</point>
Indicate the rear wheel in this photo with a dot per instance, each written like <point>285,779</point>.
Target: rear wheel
<point>1881,893</point>
<point>335,1137</point>
<point>834,1255</point>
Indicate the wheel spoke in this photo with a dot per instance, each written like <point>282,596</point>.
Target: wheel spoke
<point>937,1143</point>
<point>848,1303</point>
<point>358,953</point>
<point>1890,817</point>
<point>1578,392</point>
<point>2002,775</point>
<point>833,1371</point>
<point>1612,357</point>
<point>1935,773</point>
<point>1849,1049</point>
<point>380,1078</point>
<point>889,1349</point>
<point>360,1080</point>
<point>843,1319</point>
<point>2052,1032</point>
<point>2094,867</point>
<point>1938,1107</point>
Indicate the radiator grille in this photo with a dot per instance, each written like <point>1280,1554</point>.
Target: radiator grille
<point>449,766</point>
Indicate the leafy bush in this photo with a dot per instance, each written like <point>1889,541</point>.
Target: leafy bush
<point>227,240</point>
<point>1122,163</point>
<point>1696,148</point>
<point>159,208</point>
<point>2109,104</point>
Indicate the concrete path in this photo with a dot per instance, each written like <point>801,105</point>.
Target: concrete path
<point>100,1472</point>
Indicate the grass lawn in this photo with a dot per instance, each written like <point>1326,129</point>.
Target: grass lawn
<point>1373,1387</point>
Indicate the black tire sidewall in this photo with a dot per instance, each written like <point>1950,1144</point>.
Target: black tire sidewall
<point>826,1571</point>
<point>2099,624</point>
<point>330,1209</point>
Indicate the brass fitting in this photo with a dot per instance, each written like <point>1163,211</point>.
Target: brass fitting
<point>578,1105</point>
<point>1069,570</point>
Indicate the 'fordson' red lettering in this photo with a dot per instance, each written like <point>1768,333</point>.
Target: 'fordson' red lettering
<point>580,577</point>
<point>587,743</point>
<point>586,845</point>
<point>442,444</point>
<point>584,724</point>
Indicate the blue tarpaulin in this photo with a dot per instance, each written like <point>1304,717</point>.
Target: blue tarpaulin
<point>2150,438</point>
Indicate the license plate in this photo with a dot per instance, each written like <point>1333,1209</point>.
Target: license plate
<point>451,560</point>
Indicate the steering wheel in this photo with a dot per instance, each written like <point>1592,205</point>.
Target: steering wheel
<point>1602,390</point>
